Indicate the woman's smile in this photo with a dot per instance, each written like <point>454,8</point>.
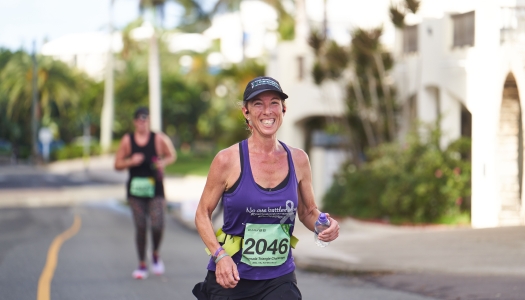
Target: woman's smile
<point>268,122</point>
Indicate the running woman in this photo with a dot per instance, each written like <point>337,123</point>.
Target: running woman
<point>264,184</point>
<point>145,154</point>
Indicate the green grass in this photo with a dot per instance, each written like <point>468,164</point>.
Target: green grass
<point>188,164</point>
<point>461,219</point>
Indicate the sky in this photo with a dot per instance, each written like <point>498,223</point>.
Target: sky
<point>25,21</point>
<point>22,21</point>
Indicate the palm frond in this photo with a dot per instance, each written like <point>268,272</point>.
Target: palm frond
<point>397,16</point>
<point>413,5</point>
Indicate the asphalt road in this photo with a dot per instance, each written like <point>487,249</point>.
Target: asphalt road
<point>97,262</point>
<point>41,179</point>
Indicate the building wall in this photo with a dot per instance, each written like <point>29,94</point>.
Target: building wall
<point>444,78</point>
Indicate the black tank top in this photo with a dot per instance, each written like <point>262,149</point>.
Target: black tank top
<point>147,168</point>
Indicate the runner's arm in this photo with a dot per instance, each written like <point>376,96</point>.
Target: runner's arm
<point>167,152</point>
<point>217,181</point>
<point>122,160</point>
<point>307,209</point>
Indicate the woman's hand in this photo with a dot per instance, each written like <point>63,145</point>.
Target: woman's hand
<point>136,159</point>
<point>330,233</point>
<point>159,164</point>
<point>226,273</point>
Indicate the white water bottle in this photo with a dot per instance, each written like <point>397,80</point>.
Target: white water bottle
<point>321,224</point>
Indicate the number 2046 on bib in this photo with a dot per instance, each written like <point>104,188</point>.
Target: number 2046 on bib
<point>265,245</point>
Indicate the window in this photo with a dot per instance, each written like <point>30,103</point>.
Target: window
<point>410,39</point>
<point>464,29</point>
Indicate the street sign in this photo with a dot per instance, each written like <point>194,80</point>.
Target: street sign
<point>45,135</point>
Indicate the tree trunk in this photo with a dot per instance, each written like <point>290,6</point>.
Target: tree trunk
<point>154,84</point>
<point>372,89</point>
<point>369,132</point>
<point>301,22</point>
<point>106,122</point>
<point>388,98</point>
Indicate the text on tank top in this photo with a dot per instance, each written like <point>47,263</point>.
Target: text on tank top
<point>248,203</point>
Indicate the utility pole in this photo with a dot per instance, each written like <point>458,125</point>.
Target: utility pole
<point>106,124</point>
<point>34,106</point>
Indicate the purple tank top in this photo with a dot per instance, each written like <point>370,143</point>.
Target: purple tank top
<point>251,204</point>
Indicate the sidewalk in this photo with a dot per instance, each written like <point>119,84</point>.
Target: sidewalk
<point>361,247</point>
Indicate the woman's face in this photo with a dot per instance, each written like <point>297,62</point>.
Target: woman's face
<point>265,113</point>
<point>141,123</point>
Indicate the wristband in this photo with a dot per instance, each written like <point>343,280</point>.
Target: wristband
<point>220,257</point>
<point>217,252</point>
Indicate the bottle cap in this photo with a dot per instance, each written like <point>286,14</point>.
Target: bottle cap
<point>323,218</point>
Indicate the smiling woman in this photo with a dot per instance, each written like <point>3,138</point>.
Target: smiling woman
<point>263,184</point>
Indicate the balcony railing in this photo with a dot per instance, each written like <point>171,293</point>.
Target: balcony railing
<point>512,29</point>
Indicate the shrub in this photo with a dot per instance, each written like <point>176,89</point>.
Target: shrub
<point>75,151</point>
<point>414,183</point>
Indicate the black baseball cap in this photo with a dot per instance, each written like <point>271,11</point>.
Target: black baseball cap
<point>262,84</point>
<point>141,111</point>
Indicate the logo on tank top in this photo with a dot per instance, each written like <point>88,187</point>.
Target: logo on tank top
<point>280,212</point>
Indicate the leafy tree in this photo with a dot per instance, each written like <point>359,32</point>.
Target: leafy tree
<point>399,10</point>
<point>57,85</point>
<point>65,96</point>
<point>360,69</point>
<point>156,8</point>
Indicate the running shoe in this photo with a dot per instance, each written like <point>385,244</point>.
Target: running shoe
<point>158,267</point>
<point>140,274</point>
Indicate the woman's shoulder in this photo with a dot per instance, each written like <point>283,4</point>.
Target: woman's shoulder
<point>227,156</point>
<point>298,155</point>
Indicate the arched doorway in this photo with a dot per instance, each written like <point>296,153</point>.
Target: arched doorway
<point>509,155</point>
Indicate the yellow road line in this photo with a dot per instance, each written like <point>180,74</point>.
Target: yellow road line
<point>44,283</point>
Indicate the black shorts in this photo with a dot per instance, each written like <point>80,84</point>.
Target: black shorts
<point>283,287</point>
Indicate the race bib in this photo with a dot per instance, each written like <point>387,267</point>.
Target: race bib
<point>142,187</point>
<point>265,245</point>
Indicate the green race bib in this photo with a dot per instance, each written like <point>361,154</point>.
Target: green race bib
<point>142,187</point>
<point>265,245</point>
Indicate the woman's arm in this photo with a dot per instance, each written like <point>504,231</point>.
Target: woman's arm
<point>167,152</point>
<point>307,209</point>
<point>218,177</point>
<point>122,157</point>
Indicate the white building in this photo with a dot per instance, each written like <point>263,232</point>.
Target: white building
<point>461,59</point>
<point>468,65</point>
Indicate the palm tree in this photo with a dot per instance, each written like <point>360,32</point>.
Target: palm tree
<point>156,9</point>
<point>57,85</point>
<point>57,89</point>
<point>106,122</point>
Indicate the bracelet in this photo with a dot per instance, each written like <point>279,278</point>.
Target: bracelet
<point>220,257</point>
<point>217,252</point>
